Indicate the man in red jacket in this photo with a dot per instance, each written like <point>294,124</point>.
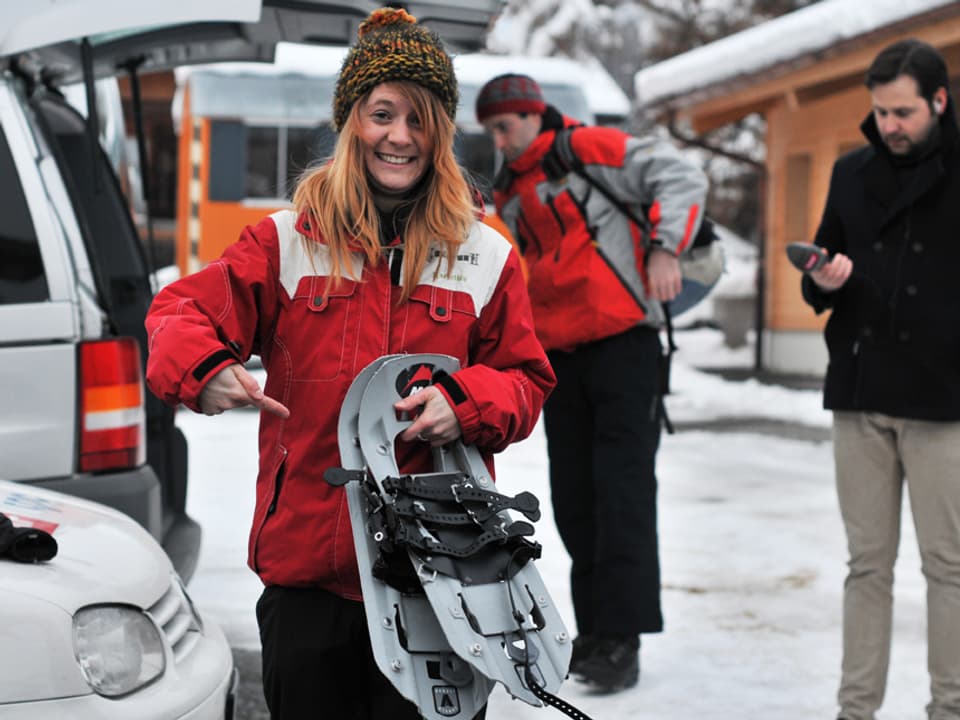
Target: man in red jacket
<point>597,280</point>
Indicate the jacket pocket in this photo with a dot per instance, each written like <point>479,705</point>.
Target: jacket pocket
<point>320,325</point>
<point>268,497</point>
<point>440,321</point>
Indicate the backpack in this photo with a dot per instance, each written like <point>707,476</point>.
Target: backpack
<point>700,266</point>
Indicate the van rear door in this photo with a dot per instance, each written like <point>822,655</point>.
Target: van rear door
<point>155,36</point>
<point>38,314</point>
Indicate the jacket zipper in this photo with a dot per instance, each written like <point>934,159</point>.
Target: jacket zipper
<point>563,228</point>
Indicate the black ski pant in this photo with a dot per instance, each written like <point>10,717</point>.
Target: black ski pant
<point>317,660</point>
<point>603,430</point>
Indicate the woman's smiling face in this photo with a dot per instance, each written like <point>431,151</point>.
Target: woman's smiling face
<point>396,149</point>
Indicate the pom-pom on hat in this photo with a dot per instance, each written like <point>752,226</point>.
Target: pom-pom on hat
<point>510,93</point>
<point>391,46</point>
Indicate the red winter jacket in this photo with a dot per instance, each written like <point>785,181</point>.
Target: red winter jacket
<point>265,296</point>
<point>586,259</point>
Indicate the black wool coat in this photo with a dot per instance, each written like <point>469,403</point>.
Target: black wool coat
<point>894,333</point>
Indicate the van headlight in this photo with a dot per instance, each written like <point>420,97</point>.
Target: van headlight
<point>118,648</point>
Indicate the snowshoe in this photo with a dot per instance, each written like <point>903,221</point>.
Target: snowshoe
<point>453,601</point>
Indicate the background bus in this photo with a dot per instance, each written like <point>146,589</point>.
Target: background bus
<point>247,131</point>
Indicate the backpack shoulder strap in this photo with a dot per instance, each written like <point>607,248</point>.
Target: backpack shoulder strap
<point>560,159</point>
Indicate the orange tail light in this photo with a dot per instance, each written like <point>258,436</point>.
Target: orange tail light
<point>112,417</point>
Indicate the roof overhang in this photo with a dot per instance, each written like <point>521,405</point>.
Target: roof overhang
<point>803,78</point>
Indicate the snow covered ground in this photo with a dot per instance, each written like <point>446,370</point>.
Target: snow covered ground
<point>752,554</point>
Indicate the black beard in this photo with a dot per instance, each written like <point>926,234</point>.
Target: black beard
<point>922,149</point>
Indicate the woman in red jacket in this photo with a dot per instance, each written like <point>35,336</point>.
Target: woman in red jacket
<point>383,254</point>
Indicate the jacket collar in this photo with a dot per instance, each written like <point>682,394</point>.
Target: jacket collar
<point>879,173</point>
<point>530,158</point>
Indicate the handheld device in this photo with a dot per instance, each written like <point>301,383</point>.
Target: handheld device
<point>807,258</point>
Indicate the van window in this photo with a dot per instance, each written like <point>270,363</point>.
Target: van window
<point>21,268</point>
<point>263,160</point>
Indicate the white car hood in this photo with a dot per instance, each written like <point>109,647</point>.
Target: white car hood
<point>103,556</point>
<point>37,23</point>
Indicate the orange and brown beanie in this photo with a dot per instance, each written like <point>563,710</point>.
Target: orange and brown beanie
<point>391,46</point>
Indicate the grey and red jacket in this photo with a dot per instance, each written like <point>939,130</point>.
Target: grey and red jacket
<point>268,296</point>
<point>586,259</point>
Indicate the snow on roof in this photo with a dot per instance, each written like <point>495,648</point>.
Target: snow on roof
<point>298,85</point>
<point>289,59</point>
<point>603,94</point>
<point>808,30</point>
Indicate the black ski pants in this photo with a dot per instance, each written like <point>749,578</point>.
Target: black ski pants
<point>603,431</point>
<point>317,660</point>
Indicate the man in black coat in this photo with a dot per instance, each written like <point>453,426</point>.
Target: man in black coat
<point>892,227</point>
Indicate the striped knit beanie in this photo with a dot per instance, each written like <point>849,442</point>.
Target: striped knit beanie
<point>510,93</point>
<point>391,46</point>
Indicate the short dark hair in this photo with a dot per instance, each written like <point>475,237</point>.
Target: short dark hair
<point>909,57</point>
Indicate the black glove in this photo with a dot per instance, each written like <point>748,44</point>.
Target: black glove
<point>25,544</point>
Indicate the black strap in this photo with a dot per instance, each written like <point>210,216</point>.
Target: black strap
<point>666,361</point>
<point>551,699</point>
<point>526,660</point>
<point>407,534</point>
<point>560,160</point>
<point>439,513</point>
<point>458,488</point>
<point>399,522</point>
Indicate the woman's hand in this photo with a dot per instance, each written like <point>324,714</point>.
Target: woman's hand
<point>234,387</point>
<point>434,419</point>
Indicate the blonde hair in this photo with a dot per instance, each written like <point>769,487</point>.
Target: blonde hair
<point>339,198</point>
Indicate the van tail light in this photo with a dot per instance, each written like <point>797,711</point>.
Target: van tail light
<point>112,418</point>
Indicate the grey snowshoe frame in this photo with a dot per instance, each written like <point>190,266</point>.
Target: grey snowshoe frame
<point>452,599</point>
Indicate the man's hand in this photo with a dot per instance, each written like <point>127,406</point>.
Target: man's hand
<point>834,274</point>
<point>663,275</point>
<point>435,422</point>
<point>234,387</point>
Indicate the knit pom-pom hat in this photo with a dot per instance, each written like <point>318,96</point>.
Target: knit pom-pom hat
<point>510,93</point>
<point>391,46</point>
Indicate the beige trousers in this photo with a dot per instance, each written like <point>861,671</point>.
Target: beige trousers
<point>874,455</point>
